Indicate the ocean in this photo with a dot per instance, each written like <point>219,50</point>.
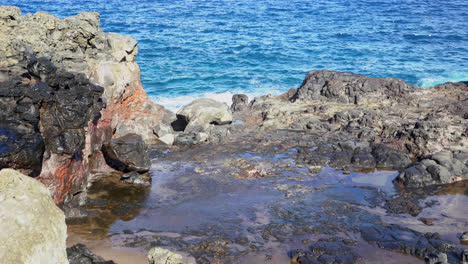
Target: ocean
<point>195,48</point>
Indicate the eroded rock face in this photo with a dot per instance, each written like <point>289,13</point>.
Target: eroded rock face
<point>45,117</point>
<point>66,88</point>
<point>33,227</point>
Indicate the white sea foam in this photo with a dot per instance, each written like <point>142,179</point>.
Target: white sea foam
<point>177,102</point>
<point>431,81</point>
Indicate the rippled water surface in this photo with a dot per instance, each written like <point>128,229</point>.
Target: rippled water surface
<point>197,48</point>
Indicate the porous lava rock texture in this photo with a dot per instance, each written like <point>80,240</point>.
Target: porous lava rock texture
<point>66,88</point>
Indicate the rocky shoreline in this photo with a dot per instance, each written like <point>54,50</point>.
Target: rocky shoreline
<point>74,112</point>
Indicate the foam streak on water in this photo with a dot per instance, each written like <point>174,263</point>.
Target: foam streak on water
<point>193,47</point>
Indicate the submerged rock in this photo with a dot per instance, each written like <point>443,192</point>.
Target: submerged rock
<point>33,227</point>
<point>404,240</point>
<point>127,153</point>
<point>332,250</point>
<point>464,237</point>
<point>134,177</point>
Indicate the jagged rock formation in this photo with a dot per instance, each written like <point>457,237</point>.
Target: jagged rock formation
<point>409,121</point>
<point>66,88</point>
<point>437,169</point>
<point>33,227</point>
<point>343,87</point>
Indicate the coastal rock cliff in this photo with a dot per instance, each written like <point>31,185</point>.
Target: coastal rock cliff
<point>66,89</point>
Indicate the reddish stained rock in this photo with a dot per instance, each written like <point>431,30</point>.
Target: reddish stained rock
<point>63,176</point>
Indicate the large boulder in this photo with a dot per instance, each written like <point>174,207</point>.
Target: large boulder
<point>206,111</point>
<point>437,169</point>
<point>127,153</point>
<point>348,88</point>
<point>201,120</point>
<point>33,227</point>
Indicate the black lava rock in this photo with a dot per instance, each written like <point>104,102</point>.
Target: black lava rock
<point>127,153</point>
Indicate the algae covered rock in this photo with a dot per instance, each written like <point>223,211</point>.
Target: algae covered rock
<point>32,227</point>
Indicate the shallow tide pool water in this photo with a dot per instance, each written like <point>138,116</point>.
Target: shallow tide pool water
<point>200,208</point>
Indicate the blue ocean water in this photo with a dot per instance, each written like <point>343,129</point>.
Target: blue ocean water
<point>197,48</point>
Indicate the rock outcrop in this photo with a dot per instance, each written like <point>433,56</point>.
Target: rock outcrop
<point>201,120</point>
<point>440,168</point>
<point>66,87</point>
<point>33,227</point>
<point>205,111</point>
<point>349,88</point>
<point>407,122</point>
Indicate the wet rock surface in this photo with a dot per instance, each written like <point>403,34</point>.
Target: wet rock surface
<point>80,254</point>
<point>440,168</point>
<point>200,206</point>
<point>127,153</point>
<point>313,177</point>
<point>331,250</point>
